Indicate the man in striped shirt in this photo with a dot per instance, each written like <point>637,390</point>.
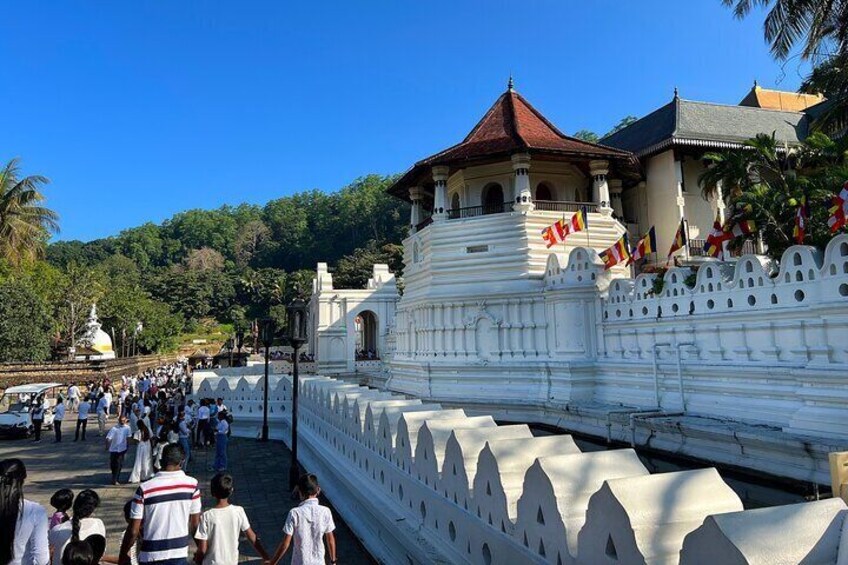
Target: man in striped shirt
<point>165,514</point>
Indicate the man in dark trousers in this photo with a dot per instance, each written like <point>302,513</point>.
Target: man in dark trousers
<point>117,442</point>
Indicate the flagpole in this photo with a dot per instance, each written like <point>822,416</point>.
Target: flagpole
<point>586,224</point>
<point>686,233</point>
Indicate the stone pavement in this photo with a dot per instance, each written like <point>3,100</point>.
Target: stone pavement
<point>260,472</point>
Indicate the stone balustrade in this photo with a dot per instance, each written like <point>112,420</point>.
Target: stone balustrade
<point>422,484</point>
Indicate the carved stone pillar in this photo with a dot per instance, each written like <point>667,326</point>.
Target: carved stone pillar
<point>416,195</point>
<point>600,187</point>
<point>523,194</point>
<point>440,196</point>
<point>615,190</point>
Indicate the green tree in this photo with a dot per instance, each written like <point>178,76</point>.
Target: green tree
<point>587,135</point>
<point>622,123</point>
<point>354,270</point>
<point>757,184</point>
<point>25,223</point>
<point>830,78</point>
<point>25,324</point>
<point>820,25</point>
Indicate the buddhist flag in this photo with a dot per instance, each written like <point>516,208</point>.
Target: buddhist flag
<point>618,253</point>
<point>801,216</point>
<point>680,239</point>
<point>556,233</point>
<point>838,210</point>
<point>743,228</point>
<point>715,240</point>
<point>646,245</point>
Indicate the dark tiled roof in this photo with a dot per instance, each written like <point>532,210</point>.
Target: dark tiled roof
<point>684,122</point>
<point>511,125</point>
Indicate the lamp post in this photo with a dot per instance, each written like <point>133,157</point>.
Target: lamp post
<point>266,333</point>
<point>229,347</point>
<point>296,316</point>
<point>239,343</point>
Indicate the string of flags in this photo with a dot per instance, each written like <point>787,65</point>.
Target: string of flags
<point>737,225</point>
<point>557,232</point>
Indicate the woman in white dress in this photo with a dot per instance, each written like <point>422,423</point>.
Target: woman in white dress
<point>143,467</point>
<point>23,523</point>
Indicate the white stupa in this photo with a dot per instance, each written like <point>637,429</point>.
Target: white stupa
<point>95,343</point>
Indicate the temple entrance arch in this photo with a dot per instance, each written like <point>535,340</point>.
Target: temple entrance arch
<point>366,326</point>
<point>493,199</point>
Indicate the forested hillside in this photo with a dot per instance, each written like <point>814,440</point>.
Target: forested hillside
<point>233,265</point>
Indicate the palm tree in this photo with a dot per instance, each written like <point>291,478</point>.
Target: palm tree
<point>759,184</point>
<point>25,225</point>
<point>830,78</point>
<point>820,24</point>
<point>740,169</point>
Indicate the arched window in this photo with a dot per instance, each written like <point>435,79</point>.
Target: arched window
<point>493,199</point>
<point>455,201</point>
<point>543,192</point>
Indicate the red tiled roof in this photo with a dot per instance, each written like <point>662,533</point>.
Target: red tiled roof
<point>511,125</point>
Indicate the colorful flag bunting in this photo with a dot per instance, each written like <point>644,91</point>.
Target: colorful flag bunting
<point>646,245</point>
<point>618,253</point>
<point>556,233</point>
<point>713,247</point>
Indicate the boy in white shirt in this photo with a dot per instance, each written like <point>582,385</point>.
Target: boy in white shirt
<point>308,525</point>
<point>220,527</point>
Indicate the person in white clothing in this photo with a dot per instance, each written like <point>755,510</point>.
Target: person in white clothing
<point>117,444</point>
<point>79,527</point>
<point>58,417</point>
<point>82,418</point>
<point>102,413</point>
<point>73,397</point>
<point>309,525</point>
<point>26,541</point>
<point>107,395</point>
<point>143,466</point>
<point>220,527</point>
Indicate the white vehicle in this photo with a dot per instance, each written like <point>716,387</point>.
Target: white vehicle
<point>15,406</point>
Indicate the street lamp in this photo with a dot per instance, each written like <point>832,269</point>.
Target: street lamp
<point>229,347</point>
<point>239,343</point>
<point>296,316</point>
<point>266,334</point>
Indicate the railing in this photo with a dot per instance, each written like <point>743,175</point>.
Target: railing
<point>486,209</point>
<point>473,211</point>
<point>562,206</point>
<point>424,223</point>
<point>696,248</point>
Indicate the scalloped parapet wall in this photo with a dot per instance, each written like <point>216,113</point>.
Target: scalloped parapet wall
<point>500,496</point>
<point>806,279</point>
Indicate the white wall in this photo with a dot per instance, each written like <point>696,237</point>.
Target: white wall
<point>402,517</point>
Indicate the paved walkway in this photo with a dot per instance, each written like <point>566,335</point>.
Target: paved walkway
<point>260,472</point>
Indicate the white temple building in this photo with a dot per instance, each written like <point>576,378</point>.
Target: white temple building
<point>744,363</point>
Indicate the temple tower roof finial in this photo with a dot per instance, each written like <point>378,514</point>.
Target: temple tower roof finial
<point>676,93</point>
<point>510,85</point>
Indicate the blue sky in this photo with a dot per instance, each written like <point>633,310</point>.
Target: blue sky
<point>138,110</point>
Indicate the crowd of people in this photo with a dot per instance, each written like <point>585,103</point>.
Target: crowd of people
<point>165,512</point>
<point>162,518</point>
<point>367,355</point>
<point>304,357</point>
